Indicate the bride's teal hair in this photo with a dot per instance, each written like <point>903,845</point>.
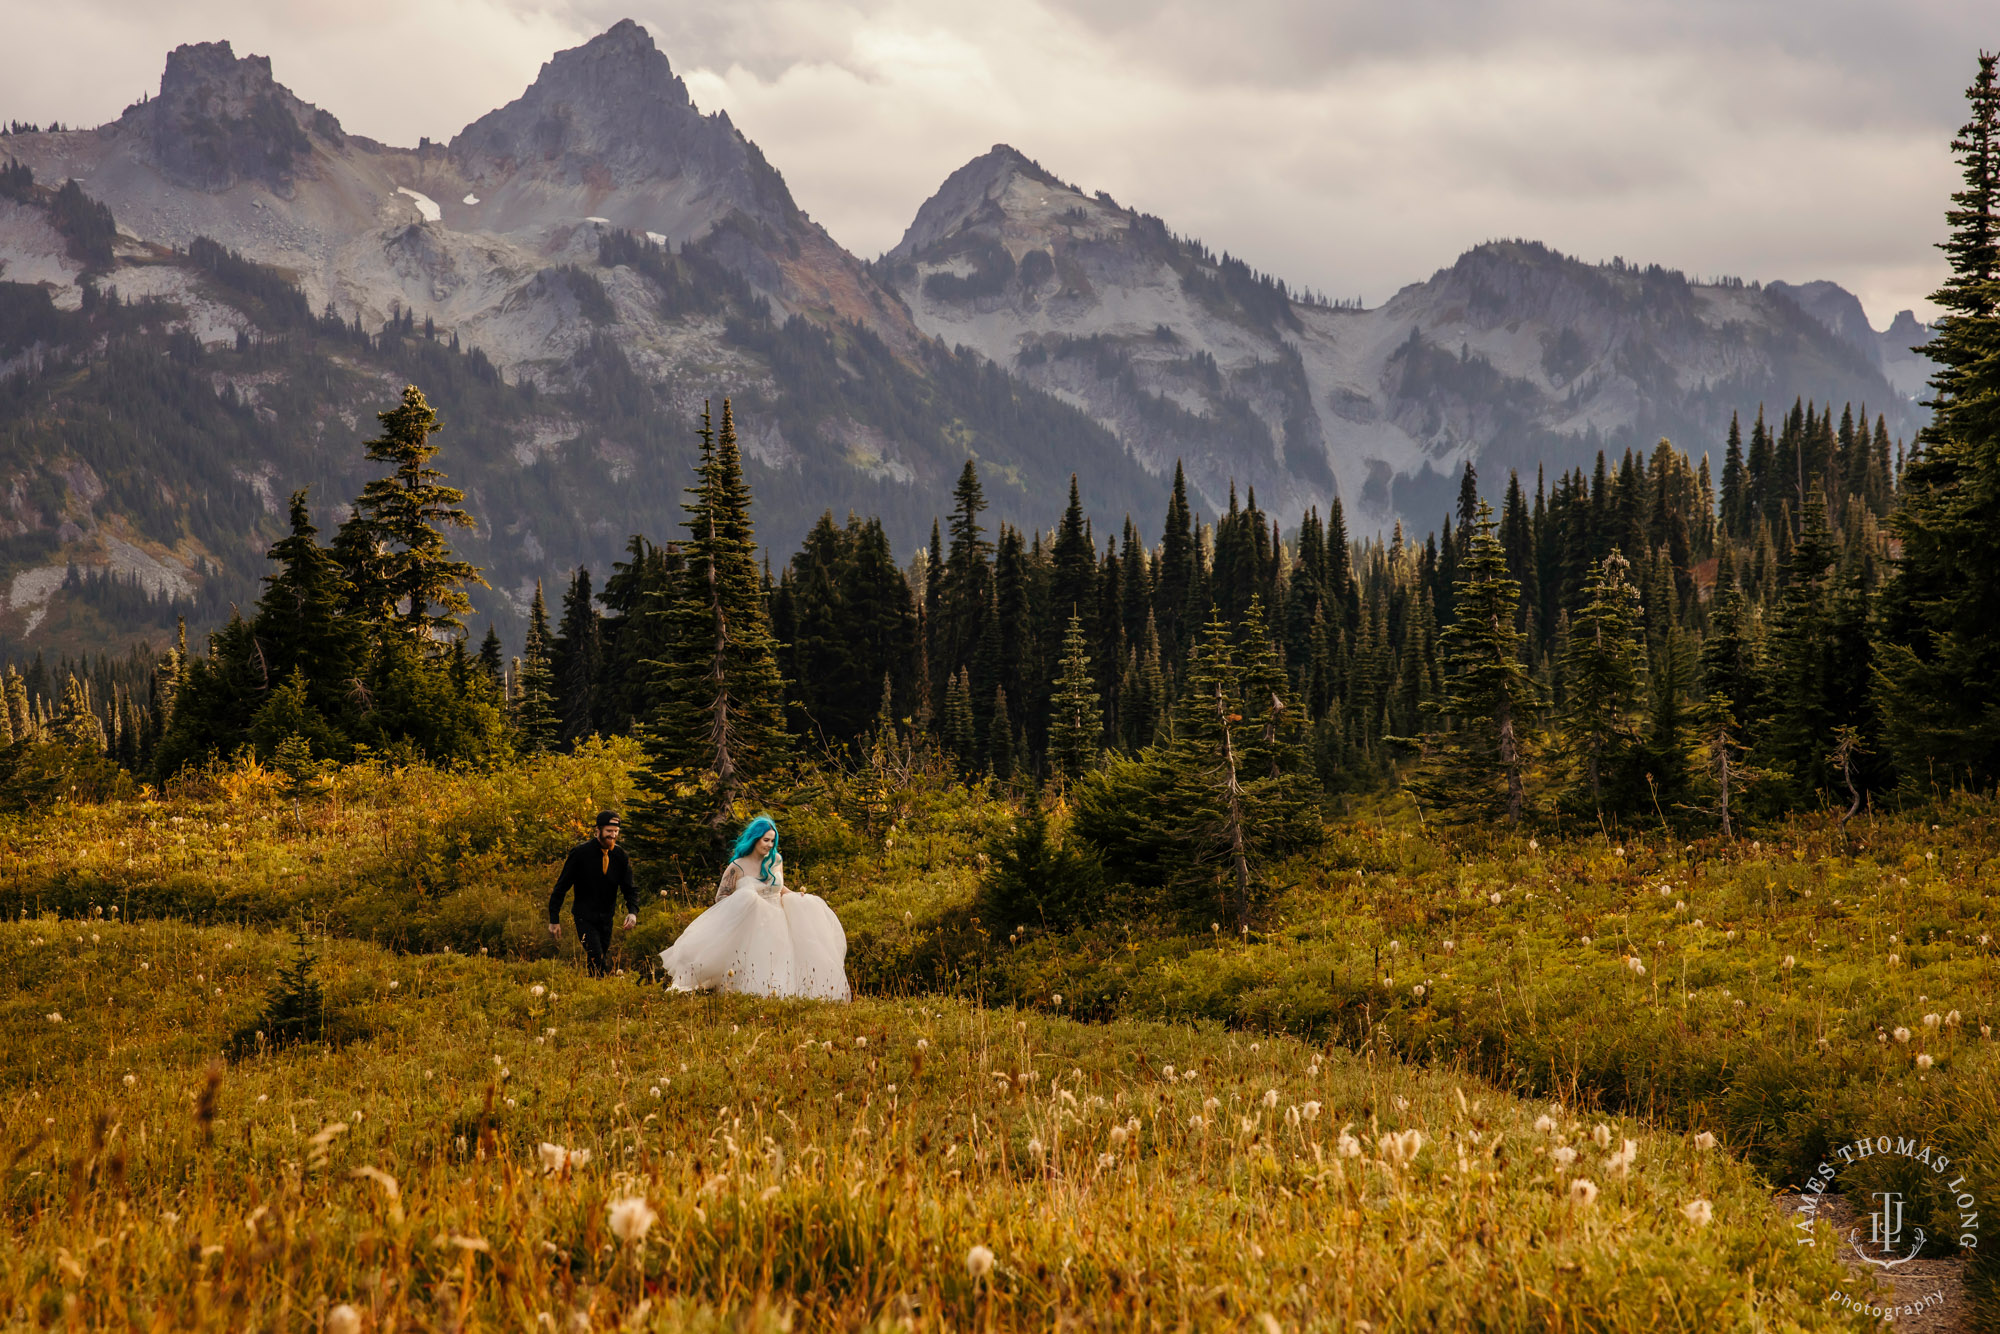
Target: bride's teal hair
<point>747,840</point>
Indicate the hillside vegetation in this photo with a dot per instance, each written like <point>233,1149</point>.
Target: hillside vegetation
<point>851,1166</point>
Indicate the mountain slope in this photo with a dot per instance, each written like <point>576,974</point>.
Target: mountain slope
<point>1513,356</point>
<point>599,241</point>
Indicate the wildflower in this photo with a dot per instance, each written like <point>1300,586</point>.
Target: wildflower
<point>631,1219</point>
<point>1400,1147</point>
<point>1249,1124</point>
<point>1395,946</point>
<point>1704,1141</point>
<point>1902,1034</point>
<point>923,1044</point>
<point>555,1158</point>
<point>1195,1123</point>
<point>1210,1104</point>
<point>1270,1097</point>
<point>538,991</point>
<point>655,1090</point>
<point>1534,845</point>
<point>1933,1020</point>
<point>1789,962</point>
<point>1545,1125</point>
<point>1118,1137</point>
<point>1698,1212</point>
<point>1637,965</point>
<point>1036,1148</point>
<point>1583,1192</point>
<point>1952,1018</point>
<point>1601,1136</point>
<point>1310,1111</point>
<point>861,1042</point>
<point>1057,998</point>
<point>1563,1155</point>
<point>55,1016</point>
<point>1347,1146</point>
<point>1449,946</point>
<point>131,1080</point>
<point>1895,959</point>
<point>343,1319</point>
<point>979,1262</point>
<point>394,984</point>
<point>1166,1072</point>
<point>1698,923</point>
<point>1731,935</point>
<point>1924,1061</point>
<point>1494,898</point>
<point>1621,1162</point>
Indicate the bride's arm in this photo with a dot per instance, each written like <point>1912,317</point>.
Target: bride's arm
<point>778,873</point>
<point>730,875</point>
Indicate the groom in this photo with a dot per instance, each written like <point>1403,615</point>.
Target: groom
<point>599,871</point>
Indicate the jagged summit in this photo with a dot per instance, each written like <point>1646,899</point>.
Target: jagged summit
<point>973,190</point>
<point>612,125</point>
<point>220,119</point>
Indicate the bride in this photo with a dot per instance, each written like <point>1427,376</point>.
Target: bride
<point>761,937</point>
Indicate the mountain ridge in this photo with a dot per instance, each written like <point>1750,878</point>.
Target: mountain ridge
<point>602,242</point>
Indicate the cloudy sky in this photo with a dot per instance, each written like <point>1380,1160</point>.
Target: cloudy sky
<point>1349,145</point>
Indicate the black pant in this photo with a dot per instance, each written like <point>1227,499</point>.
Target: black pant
<point>596,938</point>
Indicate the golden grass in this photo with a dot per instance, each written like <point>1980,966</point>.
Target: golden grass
<point>826,1167</point>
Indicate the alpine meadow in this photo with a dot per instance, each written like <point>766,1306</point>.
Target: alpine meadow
<point>1576,916</point>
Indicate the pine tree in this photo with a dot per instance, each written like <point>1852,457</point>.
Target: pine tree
<point>579,663</point>
<point>1476,767</point>
<point>1802,688</point>
<point>1604,675</point>
<point>401,568</point>
<point>535,717</point>
<point>1941,661</point>
<point>1000,737</point>
<point>1076,723</point>
<point>300,625</point>
<point>718,730</point>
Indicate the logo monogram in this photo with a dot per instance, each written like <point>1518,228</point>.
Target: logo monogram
<point>1885,1232</point>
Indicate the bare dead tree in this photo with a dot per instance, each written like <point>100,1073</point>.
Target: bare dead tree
<point>1232,792</point>
<point>1846,747</point>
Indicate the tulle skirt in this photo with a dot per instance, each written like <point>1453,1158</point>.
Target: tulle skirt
<point>792,946</point>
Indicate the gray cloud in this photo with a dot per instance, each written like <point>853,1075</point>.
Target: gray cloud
<point>1350,146</point>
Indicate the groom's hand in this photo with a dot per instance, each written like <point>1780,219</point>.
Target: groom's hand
<point>555,930</point>
<point>631,920</point>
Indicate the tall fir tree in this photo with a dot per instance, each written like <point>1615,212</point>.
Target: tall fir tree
<point>1604,679</point>
<point>1476,767</point>
<point>1076,722</point>
<point>536,720</point>
<point>1941,614</point>
<point>717,733</point>
<point>579,663</point>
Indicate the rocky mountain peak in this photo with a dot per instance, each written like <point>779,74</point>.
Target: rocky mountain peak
<point>968,191</point>
<point>220,119</point>
<point>611,116</point>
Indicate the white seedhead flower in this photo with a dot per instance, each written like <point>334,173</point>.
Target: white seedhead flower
<point>1698,1212</point>
<point>1924,1061</point>
<point>1270,1097</point>
<point>979,1262</point>
<point>631,1219</point>
<point>1545,1125</point>
<point>131,1080</point>
<point>1583,1192</point>
<point>1636,964</point>
<point>1035,1148</point>
<point>1601,1136</point>
<point>1310,1111</point>
<point>1347,1146</point>
<point>1563,1155</point>
<point>1933,1020</point>
<point>1901,1034</point>
<point>1449,946</point>
<point>1118,1137</point>
<point>1704,1141</point>
<point>1494,898</point>
<point>538,991</point>
<point>555,1158</point>
<point>343,1319</point>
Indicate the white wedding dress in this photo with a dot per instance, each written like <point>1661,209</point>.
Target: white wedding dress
<point>762,939</point>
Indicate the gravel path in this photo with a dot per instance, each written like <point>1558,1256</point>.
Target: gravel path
<point>1933,1286</point>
